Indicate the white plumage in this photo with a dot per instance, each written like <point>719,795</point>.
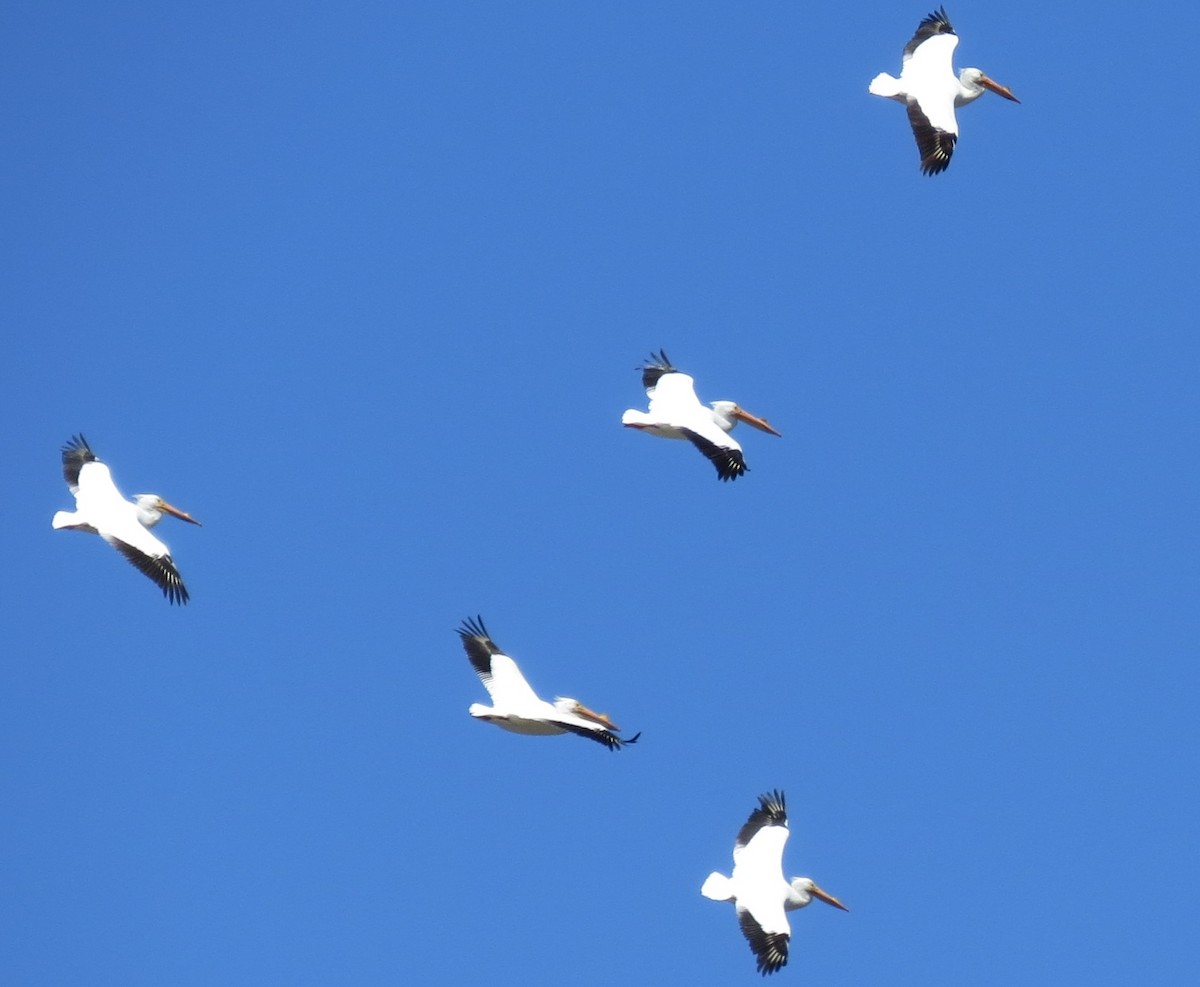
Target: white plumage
<point>516,707</point>
<point>930,90</point>
<point>757,887</point>
<point>101,509</point>
<point>676,413</point>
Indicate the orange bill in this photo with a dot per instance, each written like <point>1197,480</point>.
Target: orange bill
<point>998,89</point>
<point>175,511</point>
<point>760,423</point>
<point>829,899</point>
<point>601,718</point>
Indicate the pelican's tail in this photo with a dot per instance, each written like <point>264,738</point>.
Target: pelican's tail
<point>717,887</point>
<point>635,419</point>
<point>886,86</point>
<point>69,519</point>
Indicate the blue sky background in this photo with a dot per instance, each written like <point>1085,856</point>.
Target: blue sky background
<point>364,286</point>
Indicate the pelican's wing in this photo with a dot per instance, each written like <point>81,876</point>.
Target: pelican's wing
<point>90,481</point>
<point>160,568</point>
<point>75,455</point>
<point>499,673</point>
<point>764,833</point>
<point>930,86</point>
<point>935,143</point>
<point>770,948</point>
<point>934,24</point>
<point>96,495</point>
<point>593,731</point>
<point>758,876</point>
<point>719,449</point>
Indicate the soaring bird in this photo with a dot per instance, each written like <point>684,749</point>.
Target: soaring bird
<point>516,707</point>
<point>676,413</point>
<point>757,887</point>
<point>931,91</point>
<point>125,525</point>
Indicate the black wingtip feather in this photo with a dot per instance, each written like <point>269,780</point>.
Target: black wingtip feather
<point>654,368</point>
<point>771,811</point>
<point>935,22</point>
<point>473,627</point>
<point>75,455</point>
<point>774,804</point>
<point>77,443</point>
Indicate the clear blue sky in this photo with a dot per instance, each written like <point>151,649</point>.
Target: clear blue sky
<point>363,287</point>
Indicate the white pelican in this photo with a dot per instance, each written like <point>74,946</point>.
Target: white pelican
<point>516,707</point>
<point>929,88</point>
<point>101,509</point>
<point>676,413</point>
<point>757,887</point>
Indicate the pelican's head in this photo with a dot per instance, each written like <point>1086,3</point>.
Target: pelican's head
<point>564,704</point>
<point>728,414</point>
<point>807,889</point>
<point>151,508</point>
<point>975,79</point>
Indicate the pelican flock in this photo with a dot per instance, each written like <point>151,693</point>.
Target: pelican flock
<point>931,91</point>
<point>676,413</point>
<point>757,887</point>
<point>516,707</point>
<point>762,897</point>
<point>125,525</point>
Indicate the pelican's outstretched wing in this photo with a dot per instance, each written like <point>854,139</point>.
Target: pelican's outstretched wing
<point>770,948</point>
<point>935,141</point>
<point>499,673</point>
<point>160,568</point>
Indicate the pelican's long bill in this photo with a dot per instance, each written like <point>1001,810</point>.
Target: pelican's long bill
<point>742,415</point>
<point>826,897</point>
<point>998,89</point>
<point>591,714</point>
<point>176,512</point>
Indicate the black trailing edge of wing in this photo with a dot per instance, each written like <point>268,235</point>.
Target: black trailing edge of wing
<point>730,463</point>
<point>161,569</point>
<point>936,146</point>
<point>770,948</point>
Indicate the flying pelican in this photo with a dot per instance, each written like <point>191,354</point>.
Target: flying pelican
<point>516,707</point>
<point>676,413</point>
<point>757,887</point>
<point>101,509</point>
<point>929,88</point>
